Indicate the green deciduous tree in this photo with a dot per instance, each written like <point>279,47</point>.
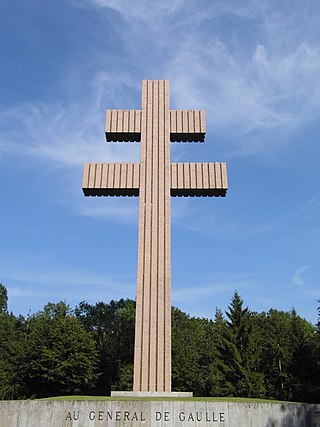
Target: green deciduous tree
<point>303,365</point>
<point>112,326</point>
<point>11,348</point>
<point>188,337</point>
<point>277,353</point>
<point>59,357</point>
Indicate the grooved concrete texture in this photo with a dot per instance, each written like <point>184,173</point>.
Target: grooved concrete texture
<point>186,179</point>
<point>155,180</point>
<point>156,414</point>
<point>152,352</point>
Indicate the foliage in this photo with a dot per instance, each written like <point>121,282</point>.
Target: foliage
<point>51,354</point>
<point>3,299</point>
<point>11,347</point>
<point>186,344</point>
<point>112,326</point>
<point>240,352</point>
<point>272,355</point>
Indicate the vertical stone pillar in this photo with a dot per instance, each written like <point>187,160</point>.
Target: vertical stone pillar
<point>152,364</point>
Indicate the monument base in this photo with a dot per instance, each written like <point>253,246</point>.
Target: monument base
<point>156,413</point>
<point>162,394</point>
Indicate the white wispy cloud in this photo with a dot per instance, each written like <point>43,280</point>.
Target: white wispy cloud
<point>192,294</point>
<point>311,207</point>
<point>297,277</point>
<point>19,292</point>
<point>141,9</point>
<point>65,134</point>
<point>117,209</point>
<point>62,277</point>
<point>253,66</point>
<point>259,91</point>
<point>40,287</point>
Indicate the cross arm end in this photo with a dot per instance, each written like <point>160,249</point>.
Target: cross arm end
<point>199,179</point>
<point>111,179</point>
<point>187,125</point>
<point>123,125</point>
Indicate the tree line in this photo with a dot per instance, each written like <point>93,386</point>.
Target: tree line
<point>89,350</point>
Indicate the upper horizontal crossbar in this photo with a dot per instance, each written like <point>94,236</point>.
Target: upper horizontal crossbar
<point>123,125</point>
<point>185,125</point>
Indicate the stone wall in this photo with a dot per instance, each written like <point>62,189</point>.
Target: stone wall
<point>155,414</point>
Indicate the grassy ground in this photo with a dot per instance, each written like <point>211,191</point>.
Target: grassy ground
<point>195,399</point>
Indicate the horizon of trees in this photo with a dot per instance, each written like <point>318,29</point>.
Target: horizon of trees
<point>89,350</point>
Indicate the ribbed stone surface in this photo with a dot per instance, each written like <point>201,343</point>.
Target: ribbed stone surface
<point>111,179</point>
<point>199,179</point>
<point>123,125</point>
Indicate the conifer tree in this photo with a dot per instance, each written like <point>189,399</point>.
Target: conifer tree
<point>240,351</point>
<point>216,381</point>
<point>3,299</point>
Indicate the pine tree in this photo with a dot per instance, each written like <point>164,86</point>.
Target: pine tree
<point>3,299</point>
<point>216,380</point>
<point>240,352</point>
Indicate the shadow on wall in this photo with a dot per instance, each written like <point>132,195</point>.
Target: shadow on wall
<point>298,415</point>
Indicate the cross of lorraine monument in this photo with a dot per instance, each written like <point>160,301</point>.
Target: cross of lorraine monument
<point>154,180</point>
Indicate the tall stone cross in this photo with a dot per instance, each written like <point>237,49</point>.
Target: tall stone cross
<point>154,180</point>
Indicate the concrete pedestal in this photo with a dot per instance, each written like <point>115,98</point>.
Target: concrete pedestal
<point>163,394</point>
<point>156,413</point>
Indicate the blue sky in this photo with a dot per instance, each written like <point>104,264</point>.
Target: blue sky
<point>254,66</point>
